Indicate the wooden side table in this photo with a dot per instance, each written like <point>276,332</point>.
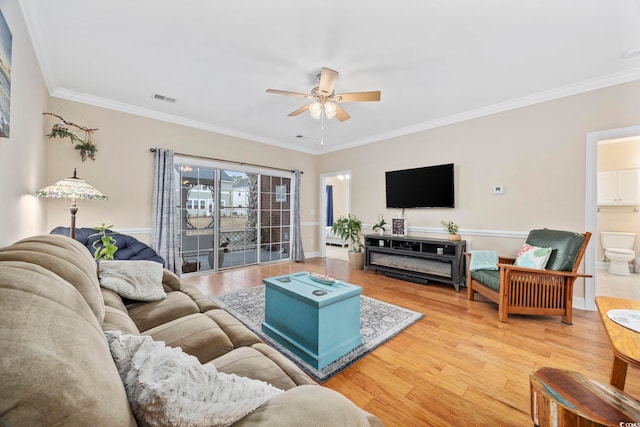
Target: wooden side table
<point>625,343</point>
<point>563,398</point>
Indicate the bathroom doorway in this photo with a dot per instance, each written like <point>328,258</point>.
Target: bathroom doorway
<point>599,144</point>
<point>618,162</point>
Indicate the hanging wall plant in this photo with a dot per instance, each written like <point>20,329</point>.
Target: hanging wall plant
<point>61,130</point>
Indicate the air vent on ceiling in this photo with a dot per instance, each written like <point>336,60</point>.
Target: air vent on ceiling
<point>163,98</point>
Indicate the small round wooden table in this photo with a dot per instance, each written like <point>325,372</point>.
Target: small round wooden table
<point>562,398</point>
<point>625,343</point>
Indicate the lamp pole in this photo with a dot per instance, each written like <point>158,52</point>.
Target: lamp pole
<point>73,210</point>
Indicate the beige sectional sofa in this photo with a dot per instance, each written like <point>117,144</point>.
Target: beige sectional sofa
<point>56,367</point>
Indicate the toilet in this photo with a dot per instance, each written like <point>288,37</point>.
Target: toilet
<point>618,249</point>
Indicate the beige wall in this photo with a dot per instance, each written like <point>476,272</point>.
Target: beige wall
<point>22,161</point>
<point>612,156</point>
<point>123,169</point>
<point>537,153</point>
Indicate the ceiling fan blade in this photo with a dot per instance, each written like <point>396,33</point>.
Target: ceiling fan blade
<point>300,110</point>
<point>328,79</point>
<point>286,92</point>
<point>341,114</point>
<point>358,96</point>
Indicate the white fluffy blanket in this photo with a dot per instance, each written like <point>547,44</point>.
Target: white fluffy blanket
<point>166,386</point>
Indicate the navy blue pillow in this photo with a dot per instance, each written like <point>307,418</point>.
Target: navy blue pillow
<point>129,248</point>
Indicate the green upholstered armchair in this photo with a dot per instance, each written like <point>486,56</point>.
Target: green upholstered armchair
<point>521,290</point>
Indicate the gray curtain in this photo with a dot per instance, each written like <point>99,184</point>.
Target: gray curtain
<point>163,222</point>
<point>297,253</point>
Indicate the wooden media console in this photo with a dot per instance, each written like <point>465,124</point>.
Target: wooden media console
<point>417,259</point>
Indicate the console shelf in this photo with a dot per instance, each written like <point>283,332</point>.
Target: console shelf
<point>416,259</point>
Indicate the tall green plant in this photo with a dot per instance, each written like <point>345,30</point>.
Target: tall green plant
<point>104,247</point>
<point>349,228</point>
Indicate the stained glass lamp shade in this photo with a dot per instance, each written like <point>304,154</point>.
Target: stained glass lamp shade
<point>72,188</point>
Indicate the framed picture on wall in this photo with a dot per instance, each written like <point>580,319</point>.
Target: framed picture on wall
<point>281,193</point>
<point>398,226</point>
<point>5,76</point>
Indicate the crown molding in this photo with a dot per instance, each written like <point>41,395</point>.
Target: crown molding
<point>170,118</point>
<point>536,98</point>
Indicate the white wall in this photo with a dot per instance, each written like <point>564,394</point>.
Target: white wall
<point>22,156</point>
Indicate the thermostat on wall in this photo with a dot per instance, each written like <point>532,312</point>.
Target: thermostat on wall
<point>498,189</point>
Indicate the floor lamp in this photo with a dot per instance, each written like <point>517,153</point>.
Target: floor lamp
<point>72,188</point>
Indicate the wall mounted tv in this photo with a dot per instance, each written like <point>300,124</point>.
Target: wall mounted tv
<point>426,187</point>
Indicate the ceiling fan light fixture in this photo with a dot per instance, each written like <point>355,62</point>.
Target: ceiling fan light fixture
<point>315,110</point>
<point>323,98</point>
<point>330,109</point>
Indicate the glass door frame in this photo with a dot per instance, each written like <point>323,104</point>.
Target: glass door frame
<point>219,166</point>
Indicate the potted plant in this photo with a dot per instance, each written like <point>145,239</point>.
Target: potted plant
<point>349,228</point>
<point>452,228</point>
<point>222,249</point>
<point>105,247</point>
<point>379,226</point>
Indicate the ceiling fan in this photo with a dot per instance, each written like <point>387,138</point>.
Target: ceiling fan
<point>325,99</point>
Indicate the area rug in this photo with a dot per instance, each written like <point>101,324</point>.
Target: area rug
<point>379,321</point>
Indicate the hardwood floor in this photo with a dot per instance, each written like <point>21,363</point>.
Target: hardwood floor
<point>458,365</point>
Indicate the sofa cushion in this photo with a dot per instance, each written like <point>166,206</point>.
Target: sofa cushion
<point>309,405</point>
<point>170,281</point>
<point>116,320</point>
<point>239,334</point>
<point>169,387</point>
<point>566,246</point>
<point>196,334</point>
<point>489,278</point>
<point>64,257</point>
<point>254,362</point>
<point>288,367</point>
<point>151,314</point>
<point>135,280</point>
<point>56,367</point>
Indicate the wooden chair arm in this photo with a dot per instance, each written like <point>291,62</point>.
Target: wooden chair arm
<point>536,271</point>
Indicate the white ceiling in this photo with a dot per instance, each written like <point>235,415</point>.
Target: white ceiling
<point>435,61</point>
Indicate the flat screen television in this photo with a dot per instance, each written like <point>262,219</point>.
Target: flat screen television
<point>426,187</point>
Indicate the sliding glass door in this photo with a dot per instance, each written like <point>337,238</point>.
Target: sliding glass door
<point>230,217</point>
<point>275,229</point>
<point>196,197</point>
<point>238,213</point>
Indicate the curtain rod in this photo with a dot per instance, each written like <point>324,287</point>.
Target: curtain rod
<point>153,150</point>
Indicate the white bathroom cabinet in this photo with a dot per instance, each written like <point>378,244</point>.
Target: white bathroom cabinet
<point>619,187</point>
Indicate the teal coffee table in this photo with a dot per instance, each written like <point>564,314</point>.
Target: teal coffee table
<point>318,320</point>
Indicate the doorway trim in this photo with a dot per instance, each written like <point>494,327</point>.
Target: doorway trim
<point>591,203</point>
<point>322,240</point>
